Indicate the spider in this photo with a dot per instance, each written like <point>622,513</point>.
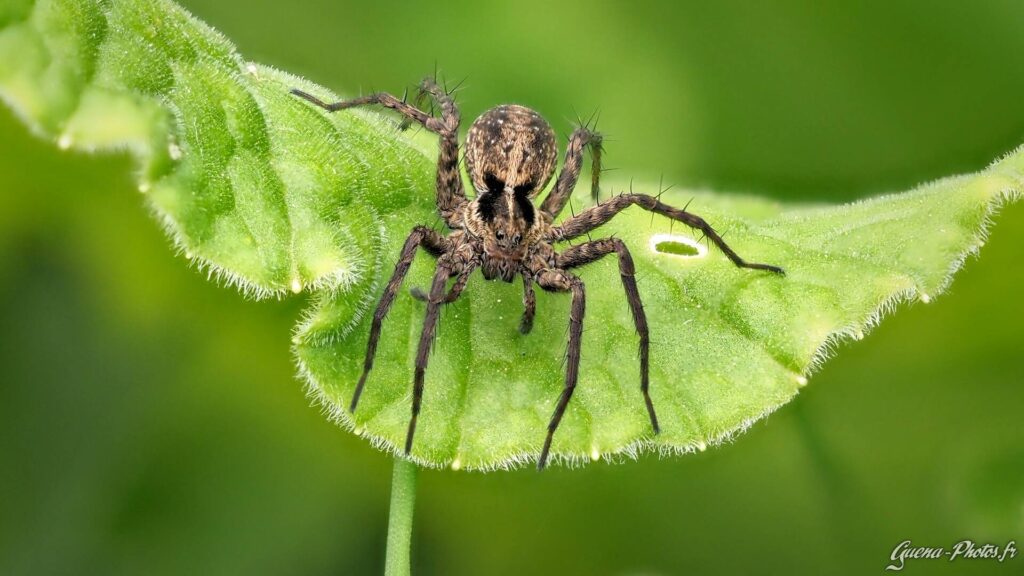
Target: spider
<point>510,155</point>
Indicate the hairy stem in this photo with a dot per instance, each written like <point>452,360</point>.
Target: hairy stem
<point>403,500</point>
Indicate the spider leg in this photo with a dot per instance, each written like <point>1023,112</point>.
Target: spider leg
<point>418,103</point>
<point>595,216</point>
<point>449,111</point>
<point>384,99</point>
<point>561,281</point>
<point>456,289</point>
<point>420,236</point>
<point>451,195</point>
<point>462,278</point>
<point>529,305</point>
<point>581,138</point>
<point>437,297</point>
<point>591,251</point>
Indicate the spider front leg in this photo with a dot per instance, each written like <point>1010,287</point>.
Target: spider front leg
<point>420,236</point>
<point>451,195</point>
<point>593,217</point>
<point>589,252</point>
<point>384,99</point>
<point>445,267</point>
<point>562,281</point>
<point>443,99</point>
<point>581,138</point>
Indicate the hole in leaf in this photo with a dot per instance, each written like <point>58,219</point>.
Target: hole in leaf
<point>674,245</point>
<point>677,248</point>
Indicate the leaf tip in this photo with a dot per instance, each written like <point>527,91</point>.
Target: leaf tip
<point>296,286</point>
<point>456,464</point>
<point>801,379</point>
<point>64,142</point>
<point>595,454</point>
<point>925,298</point>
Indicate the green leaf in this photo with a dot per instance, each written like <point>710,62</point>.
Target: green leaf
<point>254,185</point>
<point>272,195</point>
<point>728,345</point>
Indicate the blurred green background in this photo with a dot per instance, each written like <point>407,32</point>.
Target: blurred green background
<point>151,421</point>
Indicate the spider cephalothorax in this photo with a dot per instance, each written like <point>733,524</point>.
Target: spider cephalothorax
<point>510,157</point>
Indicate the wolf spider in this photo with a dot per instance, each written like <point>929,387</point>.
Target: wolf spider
<point>510,155</point>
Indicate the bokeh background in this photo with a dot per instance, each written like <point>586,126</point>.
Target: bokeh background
<point>151,421</point>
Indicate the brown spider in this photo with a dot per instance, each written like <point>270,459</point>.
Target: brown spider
<point>510,156</point>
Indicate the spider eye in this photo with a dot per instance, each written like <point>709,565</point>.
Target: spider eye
<point>494,184</point>
<point>499,235</point>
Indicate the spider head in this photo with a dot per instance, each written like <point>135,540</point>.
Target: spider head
<point>504,220</point>
<point>510,156</point>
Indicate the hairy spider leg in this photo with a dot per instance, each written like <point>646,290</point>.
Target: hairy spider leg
<point>421,96</point>
<point>446,266</point>
<point>384,99</point>
<point>453,293</point>
<point>595,216</point>
<point>451,196</point>
<point>443,99</point>
<point>588,252</point>
<point>529,304</point>
<point>435,244</point>
<point>581,139</point>
<point>561,281</point>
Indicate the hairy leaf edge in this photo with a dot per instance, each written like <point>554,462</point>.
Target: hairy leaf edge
<point>141,152</point>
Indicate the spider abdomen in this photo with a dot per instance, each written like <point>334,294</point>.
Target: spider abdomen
<point>511,146</point>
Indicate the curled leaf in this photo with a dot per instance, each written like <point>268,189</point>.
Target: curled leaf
<point>250,183</point>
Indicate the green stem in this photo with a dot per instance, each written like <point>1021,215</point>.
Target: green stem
<point>403,499</point>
